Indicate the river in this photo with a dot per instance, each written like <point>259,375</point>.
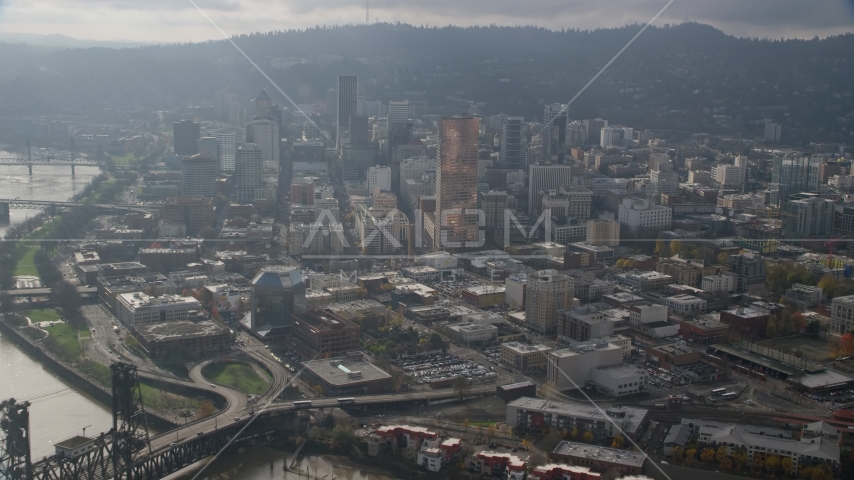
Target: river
<point>46,183</point>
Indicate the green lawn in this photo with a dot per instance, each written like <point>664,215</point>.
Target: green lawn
<point>26,265</point>
<point>161,400</point>
<point>237,376</point>
<point>125,159</point>
<point>42,315</point>
<point>63,340</point>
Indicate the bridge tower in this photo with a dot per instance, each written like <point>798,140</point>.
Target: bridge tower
<point>29,157</point>
<point>72,156</point>
<point>130,428</point>
<point>15,461</point>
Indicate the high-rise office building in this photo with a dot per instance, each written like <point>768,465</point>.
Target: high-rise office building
<point>554,133</point>
<point>792,174</point>
<point>248,172</point>
<point>456,184</point>
<point>541,179</point>
<point>209,147</point>
<point>263,106</point>
<point>594,128</point>
<point>186,134</point>
<point>379,177</point>
<point>265,134</point>
<point>277,293</point>
<point>198,175</point>
<point>360,133</point>
<point>227,144</point>
<point>348,100</point>
<point>547,293</point>
<point>398,112</point>
<point>513,140</point>
<point>615,136</point>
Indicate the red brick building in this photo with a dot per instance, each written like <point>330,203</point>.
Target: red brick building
<point>705,329</point>
<point>747,322</point>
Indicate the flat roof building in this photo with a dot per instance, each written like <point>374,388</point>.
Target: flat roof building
<point>571,367</point>
<point>348,375</point>
<point>535,413</point>
<point>322,334</point>
<point>600,458</point>
<point>190,339</point>
<point>524,358</point>
<point>138,308</point>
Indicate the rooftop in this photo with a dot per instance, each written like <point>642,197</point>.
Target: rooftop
<point>353,371</point>
<point>74,442</point>
<point>622,371</point>
<point>161,331</point>
<point>140,300</point>
<point>522,348</point>
<point>631,416</point>
<point>602,454</point>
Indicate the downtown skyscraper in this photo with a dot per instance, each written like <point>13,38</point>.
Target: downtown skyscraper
<point>513,139</point>
<point>348,100</point>
<point>456,220</point>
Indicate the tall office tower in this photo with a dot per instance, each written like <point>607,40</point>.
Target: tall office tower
<point>576,134</point>
<point>248,171</point>
<point>227,143</point>
<point>220,107</point>
<point>772,132</point>
<point>456,184</point>
<point>594,129</point>
<point>276,294</point>
<point>790,174</point>
<point>541,179</point>
<point>198,175</point>
<point>554,133</point>
<point>209,147</point>
<point>379,177</point>
<point>513,140</point>
<point>749,268</point>
<point>398,112</point>
<point>360,134</point>
<point>663,179</point>
<point>547,293</point>
<point>186,135</point>
<point>348,100</point>
<point>263,106</point>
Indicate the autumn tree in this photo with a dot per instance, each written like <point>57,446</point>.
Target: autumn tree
<point>845,345</point>
<point>708,455</point>
<point>740,457</point>
<point>588,437</point>
<point>690,456</point>
<point>799,323</point>
<point>675,247</point>
<point>619,441</point>
<point>206,409</point>
<point>772,463</point>
<point>490,432</point>
<point>574,433</point>
<point>828,284</point>
<point>727,464</point>
<point>677,453</point>
<point>786,464</point>
<point>720,455</point>
<point>466,424</point>
<point>526,443</point>
<point>723,259</point>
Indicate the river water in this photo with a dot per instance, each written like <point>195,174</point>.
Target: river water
<point>47,183</point>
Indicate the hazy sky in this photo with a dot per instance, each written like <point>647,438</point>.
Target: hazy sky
<point>178,20</point>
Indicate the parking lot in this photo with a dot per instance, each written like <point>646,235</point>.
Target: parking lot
<point>425,368</point>
<point>661,377</point>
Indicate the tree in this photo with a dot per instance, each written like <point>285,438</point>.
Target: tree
<point>772,463</point>
<point>619,441</point>
<point>461,386</point>
<point>813,328</point>
<point>466,424</point>
<point>207,233</point>
<point>829,285</point>
<point>315,433</point>
<point>660,247</point>
<point>66,296</point>
<point>344,436</point>
<point>677,453</point>
<point>726,464</point>
<point>675,247</point>
<point>526,443</point>
<point>206,409</point>
<point>786,464</point>
<point>846,344</point>
<point>708,455</point>
<point>536,459</point>
<point>799,323</point>
<point>821,472</point>
<point>690,456</point>
<point>740,456</point>
<point>318,390</point>
<point>490,432</point>
<point>723,259</point>
<point>720,455</point>
<point>574,433</point>
<point>771,328</point>
<point>588,437</point>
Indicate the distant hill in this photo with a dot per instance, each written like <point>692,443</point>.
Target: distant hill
<point>688,77</point>
<point>62,41</point>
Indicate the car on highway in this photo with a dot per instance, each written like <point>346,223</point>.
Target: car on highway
<point>173,444</point>
<point>213,386</point>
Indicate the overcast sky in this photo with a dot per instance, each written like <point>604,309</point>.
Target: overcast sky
<point>178,20</point>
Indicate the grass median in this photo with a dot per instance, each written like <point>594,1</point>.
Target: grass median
<point>237,376</point>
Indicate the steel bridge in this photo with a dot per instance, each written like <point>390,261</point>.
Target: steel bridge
<point>26,162</point>
<point>7,204</point>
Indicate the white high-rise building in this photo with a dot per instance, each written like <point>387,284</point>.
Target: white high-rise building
<point>248,172</point>
<point>348,101</point>
<point>731,176</point>
<point>615,136</point>
<point>398,111</point>
<point>227,140</point>
<point>379,177</point>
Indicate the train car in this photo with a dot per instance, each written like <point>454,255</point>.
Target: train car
<point>302,404</point>
<point>347,400</point>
